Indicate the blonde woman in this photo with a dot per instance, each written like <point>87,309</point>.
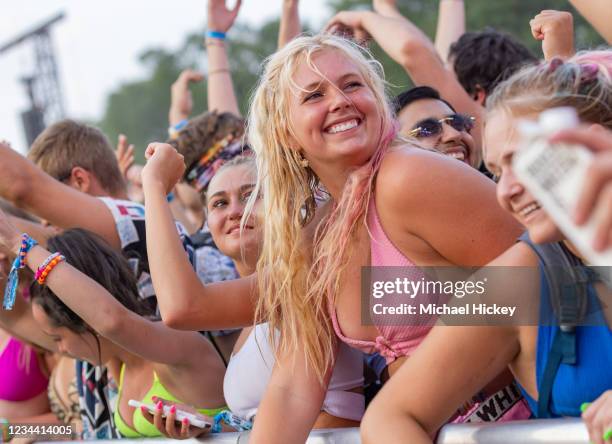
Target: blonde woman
<point>320,117</point>
<point>478,353</point>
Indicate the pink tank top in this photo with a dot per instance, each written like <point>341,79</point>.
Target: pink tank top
<point>20,375</point>
<point>393,341</point>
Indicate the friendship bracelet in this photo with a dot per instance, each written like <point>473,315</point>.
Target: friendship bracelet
<point>215,35</point>
<point>27,243</point>
<point>47,266</point>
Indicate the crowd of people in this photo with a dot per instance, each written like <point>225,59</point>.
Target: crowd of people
<point>224,277</point>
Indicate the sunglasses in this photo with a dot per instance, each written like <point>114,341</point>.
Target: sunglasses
<point>433,127</point>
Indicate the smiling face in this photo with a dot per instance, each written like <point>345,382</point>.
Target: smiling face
<point>501,139</point>
<point>80,346</point>
<point>457,144</point>
<point>334,114</point>
<point>226,199</point>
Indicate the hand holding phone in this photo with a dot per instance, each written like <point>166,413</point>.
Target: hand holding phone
<point>165,415</point>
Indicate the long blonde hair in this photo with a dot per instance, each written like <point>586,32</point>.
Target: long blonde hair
<point>295,285</point>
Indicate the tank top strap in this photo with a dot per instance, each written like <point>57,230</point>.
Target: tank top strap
<point>382,250</point>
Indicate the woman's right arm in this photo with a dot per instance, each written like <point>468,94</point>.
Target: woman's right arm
<point>290,26</point>
<point>184,302</point>
<point>451,26</point>
<point>449,367</point>
<point>452,364</point>
<point>221,94</point>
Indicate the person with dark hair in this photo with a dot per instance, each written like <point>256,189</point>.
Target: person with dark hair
<point>86,299</point>
<point>483,59</point>
<point>425,116</point>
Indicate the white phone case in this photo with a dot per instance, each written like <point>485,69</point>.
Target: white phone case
<point>180,414</point>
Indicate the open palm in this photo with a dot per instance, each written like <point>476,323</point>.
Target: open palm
<point>220,17</point>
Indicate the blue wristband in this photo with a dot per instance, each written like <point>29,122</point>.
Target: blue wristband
<point>215,35</point>
<point>179,126</point>
<point>175,129</point>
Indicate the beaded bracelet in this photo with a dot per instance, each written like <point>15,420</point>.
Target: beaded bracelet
<point>49,264</point>
<point>27,243</point>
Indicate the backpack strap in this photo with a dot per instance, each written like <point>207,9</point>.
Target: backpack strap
<point>568,281</point>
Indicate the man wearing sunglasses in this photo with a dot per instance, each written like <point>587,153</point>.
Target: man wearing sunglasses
<point>433,122</point>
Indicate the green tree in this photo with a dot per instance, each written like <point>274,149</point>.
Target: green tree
<point>139,108</point>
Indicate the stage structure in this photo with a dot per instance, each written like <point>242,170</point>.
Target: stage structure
<point>42,86</point>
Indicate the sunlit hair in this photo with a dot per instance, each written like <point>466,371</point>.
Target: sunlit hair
<point>295,283</point>
<point>583,82</point>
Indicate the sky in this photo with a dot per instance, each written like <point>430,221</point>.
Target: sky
<point>98,43</point>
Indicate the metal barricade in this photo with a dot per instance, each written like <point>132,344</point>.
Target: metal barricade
<point>546,431</point>
<point>543,431</point>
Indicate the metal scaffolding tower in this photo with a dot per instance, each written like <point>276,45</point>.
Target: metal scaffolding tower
<point>42,86</point>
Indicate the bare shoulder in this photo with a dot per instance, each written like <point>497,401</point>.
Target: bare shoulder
<point>411,174</point>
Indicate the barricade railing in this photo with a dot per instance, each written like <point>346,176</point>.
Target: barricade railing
<point>547,431</point>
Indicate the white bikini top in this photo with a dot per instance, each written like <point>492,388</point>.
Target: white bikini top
<point>249,371</point>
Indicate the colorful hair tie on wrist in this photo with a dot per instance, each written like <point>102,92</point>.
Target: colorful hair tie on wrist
<point>47,266</point>
<point>27,243</point>
<point>215,35</point>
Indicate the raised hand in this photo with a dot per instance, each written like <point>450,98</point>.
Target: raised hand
<point>556,31</point>
<point>125,154</point>
<point>164,166</point>
<point>349,24</point>
<point>181,100</point>
<point>220,17</point>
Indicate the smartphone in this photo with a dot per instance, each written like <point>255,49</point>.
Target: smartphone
<point>180,414</point>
